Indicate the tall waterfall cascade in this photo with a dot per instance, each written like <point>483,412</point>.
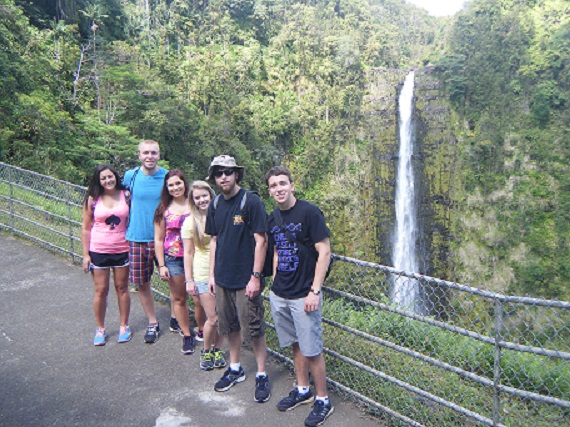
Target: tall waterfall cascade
<point>405,291</point>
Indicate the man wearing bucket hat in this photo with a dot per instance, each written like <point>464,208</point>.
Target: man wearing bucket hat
<point>237,223</point>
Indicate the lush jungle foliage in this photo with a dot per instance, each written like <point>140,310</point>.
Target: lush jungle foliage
<point>267,81</point>
<point>507,70</point>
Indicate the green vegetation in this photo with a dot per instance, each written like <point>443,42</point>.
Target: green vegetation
<point>508,73</point>
<point>313,85</point>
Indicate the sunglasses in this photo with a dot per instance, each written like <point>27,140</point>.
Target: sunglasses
<point>226,172</point>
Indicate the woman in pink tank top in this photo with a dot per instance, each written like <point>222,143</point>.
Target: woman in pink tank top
<point>105,218</point>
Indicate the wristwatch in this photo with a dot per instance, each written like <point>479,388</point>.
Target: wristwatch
<point>256,274</point>
<point>315,292</point>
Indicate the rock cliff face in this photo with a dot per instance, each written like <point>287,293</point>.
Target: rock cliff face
<point>380,127</point>
<point>434,158</point>
<point>437,161</point>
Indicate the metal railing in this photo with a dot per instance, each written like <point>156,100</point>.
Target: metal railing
<point>457,356</point>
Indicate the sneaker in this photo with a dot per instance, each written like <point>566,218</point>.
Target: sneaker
<point>187,345</point>
<point>262,393</point>
<point>199,336</point>
<point>100,337</point>
<point>319,413</point>
<point>151,335</point>
<point>125,334</point>
<point>174,326</point>
<point>207,360</point>
<point>230,379</point>
<point>219,359</point>
<point>295,399</point>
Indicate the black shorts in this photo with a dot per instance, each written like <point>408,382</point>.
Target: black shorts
<point>102,261</point>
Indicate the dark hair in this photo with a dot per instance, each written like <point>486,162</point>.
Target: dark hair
<point>165,197</point>
<point>276,171</point>
<point>95,189</point>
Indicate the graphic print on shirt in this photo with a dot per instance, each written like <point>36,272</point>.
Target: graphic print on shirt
<point>172,239</point>
<point>112,221</point>
<point>287,251</point>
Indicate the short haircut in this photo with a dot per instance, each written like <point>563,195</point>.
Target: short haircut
<point>148,141</point>
<point>276,171</point>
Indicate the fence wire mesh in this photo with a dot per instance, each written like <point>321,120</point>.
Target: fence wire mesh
<point>413,350</point>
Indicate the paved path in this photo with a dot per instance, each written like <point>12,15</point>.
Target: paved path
<point>52,375</point>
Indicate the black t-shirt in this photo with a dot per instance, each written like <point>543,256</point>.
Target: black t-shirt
<point>235,244</point>
<point>296,266</point>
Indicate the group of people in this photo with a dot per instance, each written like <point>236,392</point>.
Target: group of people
<point>213,248</point>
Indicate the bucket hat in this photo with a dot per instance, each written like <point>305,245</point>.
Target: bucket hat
<point>226,162</point>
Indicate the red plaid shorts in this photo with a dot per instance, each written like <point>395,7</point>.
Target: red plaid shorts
<point>141,260</point>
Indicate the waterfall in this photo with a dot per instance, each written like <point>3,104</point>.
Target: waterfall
<point>405,291</point>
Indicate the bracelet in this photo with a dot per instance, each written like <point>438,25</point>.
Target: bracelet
<point>188,281</point>
<point>160,266</point>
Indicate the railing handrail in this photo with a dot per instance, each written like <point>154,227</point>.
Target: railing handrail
<point>64,228</point>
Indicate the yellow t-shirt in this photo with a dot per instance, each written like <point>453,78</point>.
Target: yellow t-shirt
<point>201,267</point>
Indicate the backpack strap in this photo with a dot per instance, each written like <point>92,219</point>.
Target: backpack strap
<point>132,181</point>
<point>216,201</point>
<point>242,203</point>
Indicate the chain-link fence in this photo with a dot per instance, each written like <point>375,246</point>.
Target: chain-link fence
<point>413,350</point>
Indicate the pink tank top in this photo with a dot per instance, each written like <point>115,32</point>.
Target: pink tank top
<point>172,238</point>
<point>110,227</point>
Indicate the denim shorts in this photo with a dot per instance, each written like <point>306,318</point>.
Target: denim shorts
<point>202,287</point>
<point>293,324</point>
<point>175,265</point>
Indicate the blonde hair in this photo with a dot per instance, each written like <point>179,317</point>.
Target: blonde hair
<point>198,227</point>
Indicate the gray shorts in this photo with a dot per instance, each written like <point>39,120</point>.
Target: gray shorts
<point>238,313</point>
<point>293,324</point>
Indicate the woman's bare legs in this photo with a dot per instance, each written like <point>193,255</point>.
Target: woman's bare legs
<point>211,337</point>
<point>121,280</point>
<point>180,297</point>
<point>101,284</point>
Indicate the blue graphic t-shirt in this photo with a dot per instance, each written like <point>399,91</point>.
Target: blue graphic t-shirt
<point>145,197</point>
<point>296,264</point>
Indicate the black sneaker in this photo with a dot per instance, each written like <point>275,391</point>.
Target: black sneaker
<point>207,360</point>
<point>187,345</point>
<point>295,399</point>
<point>230,379</point>
<point>219,359</point>
<point>152,332</point>
<point>319,413</point>
<point>174,326</point>
<point>262,393</point>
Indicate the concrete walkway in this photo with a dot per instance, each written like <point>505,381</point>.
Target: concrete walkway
<point>52,375</point>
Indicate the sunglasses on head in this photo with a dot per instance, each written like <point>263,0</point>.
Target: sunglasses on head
<point>226,172</point>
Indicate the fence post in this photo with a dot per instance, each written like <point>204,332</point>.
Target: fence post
<point>499,307</point>
<point>12,222</point>
<point>68,204</point>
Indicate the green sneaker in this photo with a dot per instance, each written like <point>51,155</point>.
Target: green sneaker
<point>219,359</point>
<point>206,360</point>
